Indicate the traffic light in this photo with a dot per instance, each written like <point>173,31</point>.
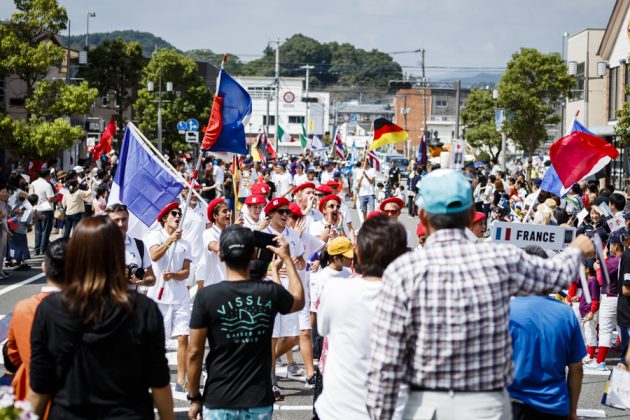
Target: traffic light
<point>396,85</point>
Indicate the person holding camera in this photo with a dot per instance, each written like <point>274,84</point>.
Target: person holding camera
<point>236,318</point>
<point>171,258</point>
<point>137,258</point>
<point>74,205</point>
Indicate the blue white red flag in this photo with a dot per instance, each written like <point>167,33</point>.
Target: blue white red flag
<point>141,181</point>
<point>374,161</point>
<point>339,147</point>
<point>574,157</point>
<point>231,109</point>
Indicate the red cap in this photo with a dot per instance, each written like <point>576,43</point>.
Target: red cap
<point>275,203</point>
<point>326,199</point>
<point>374,214</point>
<point>212,205</point>
<point>479,216</point>
<point>260,188</point>
<point>255,199</point>
<point>303,187</point>
<point>334,184</point>
<point>167,209</point>
<point>197,186</point>
<point>323,189</point>
<point>394,200</point>
<point>420,230</point>
<point>296,210</point>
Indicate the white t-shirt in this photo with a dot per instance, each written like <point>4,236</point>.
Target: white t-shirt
<point>283,183</point>
<point>175,291</point>
<point>192,231</point>
<point>132,256</point>
<point>327,176</point>
<point>244,184</point>
<point>317,228</point>
<point>296,246</point>
<point>44,191</point>
<point>215,268</point>
<point>365,187</point>
<point>299,179</point>
<point>344,315</point>
<point>219,176</point>
<point>320,279</point>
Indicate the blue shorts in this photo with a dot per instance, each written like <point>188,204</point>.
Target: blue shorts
<point>254,413</point>
<point>367,203</point>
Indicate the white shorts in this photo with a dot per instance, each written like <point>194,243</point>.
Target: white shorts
<point>176,319</point>
<point>305,318</point>
<point>286,325</point>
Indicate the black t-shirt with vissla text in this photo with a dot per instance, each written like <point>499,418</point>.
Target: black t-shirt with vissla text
<point>239,316</point>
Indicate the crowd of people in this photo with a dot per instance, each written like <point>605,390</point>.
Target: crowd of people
<point>425,321</point>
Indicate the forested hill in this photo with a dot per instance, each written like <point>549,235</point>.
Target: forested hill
<point>340,64</point>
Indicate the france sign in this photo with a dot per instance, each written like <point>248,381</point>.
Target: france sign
<point>525,234</point>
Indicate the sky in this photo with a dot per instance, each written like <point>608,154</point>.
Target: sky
<point>461,37</point>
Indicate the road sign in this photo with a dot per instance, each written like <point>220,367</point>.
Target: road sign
<point>192,136</point>
<point>524,234</point>
<point>192,125</point>
<point>181,126</point>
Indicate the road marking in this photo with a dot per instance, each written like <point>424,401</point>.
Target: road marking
<point>292,407</point>
<point>20,284</point>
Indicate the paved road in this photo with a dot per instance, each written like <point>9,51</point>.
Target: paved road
<point>298,400</point>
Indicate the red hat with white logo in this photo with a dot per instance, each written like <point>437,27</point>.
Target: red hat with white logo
<point>260,188</point>
<point>255,199</point>
<point>276,203</point>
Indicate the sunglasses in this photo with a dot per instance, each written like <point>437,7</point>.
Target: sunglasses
<point>333,206</point>
<point>320,195</point>
<point>391,211</point>
<point>283,212</point>
<point>176,213</point>
<point>116,207</point>
<point>294,217</point>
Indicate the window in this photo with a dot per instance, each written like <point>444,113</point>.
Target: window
<point>577,93</point>
<point>18,102</point>
<point>296,119</point>
<point>441,103</point>
<point>613,87</point>
<point>104,101</point>
<point>262,92</point>
<point>272,120</point>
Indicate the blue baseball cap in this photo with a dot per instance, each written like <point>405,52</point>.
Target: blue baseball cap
<point>445,191</point>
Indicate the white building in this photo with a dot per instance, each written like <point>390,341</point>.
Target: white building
<point>292,110</point>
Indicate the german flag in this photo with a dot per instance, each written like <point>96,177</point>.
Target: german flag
<point>386,132</point>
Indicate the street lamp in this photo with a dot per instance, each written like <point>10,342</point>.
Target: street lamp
<point>83,55</point>
<point>151,88</point>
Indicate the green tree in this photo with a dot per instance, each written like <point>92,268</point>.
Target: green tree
<point>115,67</point>
<point>233,64</point>
<point>622,129</point>
<point>478,118</point>
<point>529,89</point>
<point>190,98</point>
<point>28,49</point>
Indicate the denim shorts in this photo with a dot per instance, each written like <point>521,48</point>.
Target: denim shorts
<point>254,413</point>
<point>367,203</point>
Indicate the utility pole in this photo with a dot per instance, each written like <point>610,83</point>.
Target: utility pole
<point>277,92</point>
<point>308,104</point>
<point>68,56</point>
<point>458,85</point>
<point>424,98</point>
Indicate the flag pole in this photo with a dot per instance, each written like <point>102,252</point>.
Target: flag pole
<point>192,183</point>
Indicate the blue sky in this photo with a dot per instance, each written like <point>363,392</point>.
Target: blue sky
<point>455,33</point>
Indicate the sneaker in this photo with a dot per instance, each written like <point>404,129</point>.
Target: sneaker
<point>309,383</point>
<point>601,367</point>
<point>180,388</point>
<point>588,359</point>
<point>277,395</point>
<point>293,369</point>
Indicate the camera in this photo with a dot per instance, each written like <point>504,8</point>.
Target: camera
<point>135,270</point>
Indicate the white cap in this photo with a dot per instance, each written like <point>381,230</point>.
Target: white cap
<point>78,169</point>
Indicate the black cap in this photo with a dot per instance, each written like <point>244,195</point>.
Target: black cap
<point>236,242</point>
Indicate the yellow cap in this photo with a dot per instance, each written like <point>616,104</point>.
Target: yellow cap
<point>341,246</point>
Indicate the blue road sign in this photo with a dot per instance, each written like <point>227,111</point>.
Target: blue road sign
<point>181,126</point>
<point>192,125</point>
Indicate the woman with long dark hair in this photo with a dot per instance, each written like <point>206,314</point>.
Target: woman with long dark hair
<point>97,348</point>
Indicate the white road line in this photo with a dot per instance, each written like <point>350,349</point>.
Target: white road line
<point>20,284</point>
<point>292,407</point>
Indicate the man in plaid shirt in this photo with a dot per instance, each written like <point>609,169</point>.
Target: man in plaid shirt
<point>441,324</point>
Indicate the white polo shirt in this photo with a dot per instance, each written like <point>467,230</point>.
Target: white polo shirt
<point>215,268</point>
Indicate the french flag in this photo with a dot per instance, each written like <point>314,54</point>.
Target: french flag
<point>574,157</point>
<point>231,109</point>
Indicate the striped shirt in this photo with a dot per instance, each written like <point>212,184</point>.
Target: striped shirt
<point>442,318</point>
